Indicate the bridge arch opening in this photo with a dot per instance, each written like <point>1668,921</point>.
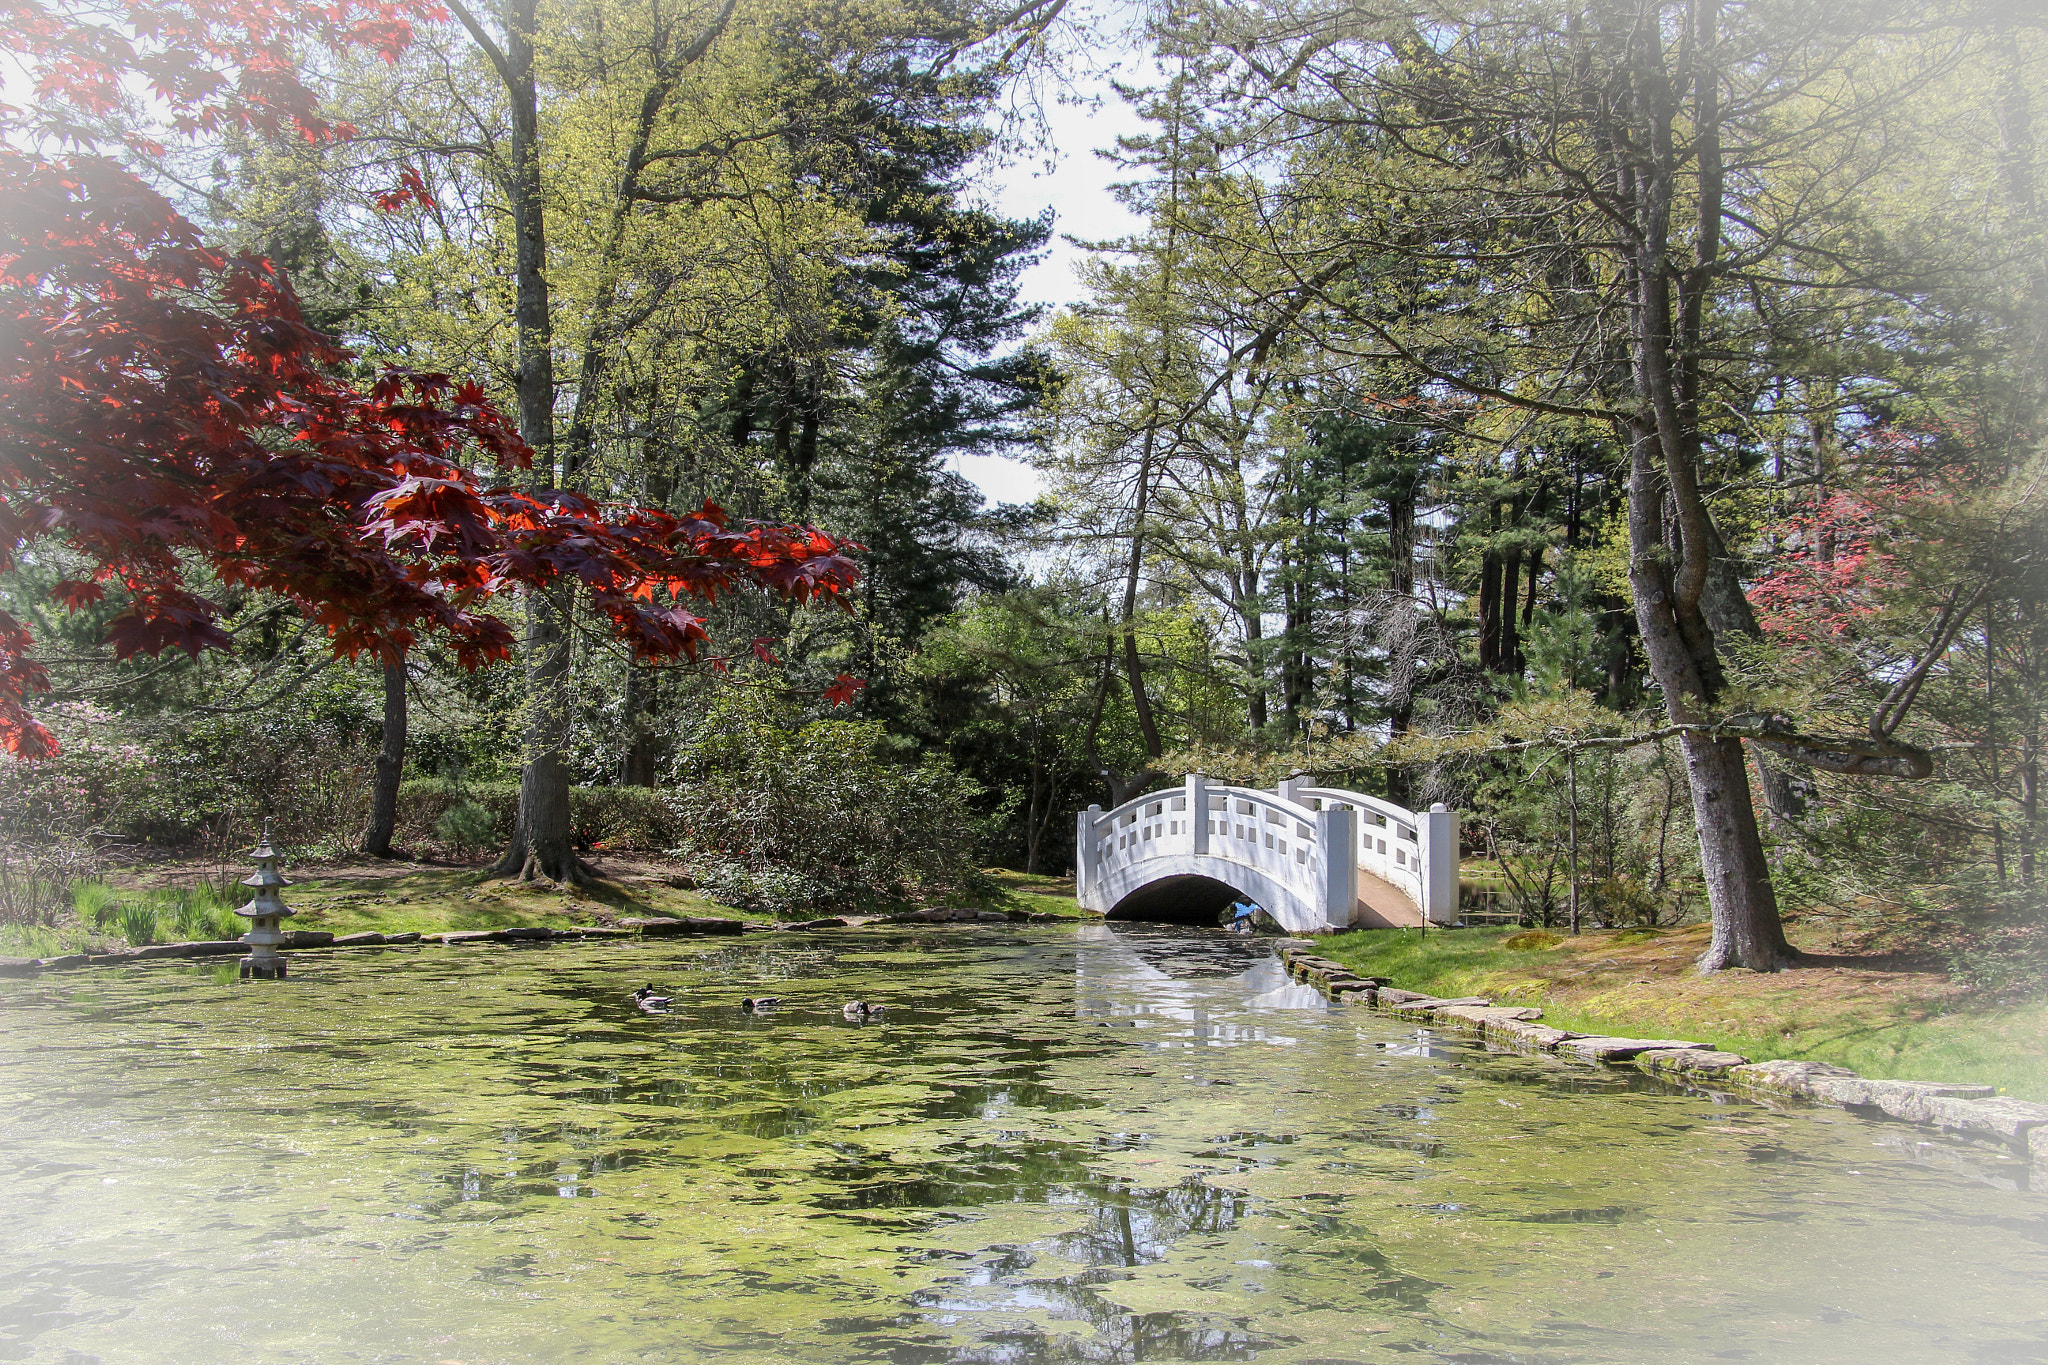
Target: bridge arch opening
<point>1184,899</point>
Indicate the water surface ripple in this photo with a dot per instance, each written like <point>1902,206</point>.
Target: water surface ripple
<point>1059,1145</point>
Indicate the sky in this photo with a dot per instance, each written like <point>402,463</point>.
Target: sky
<point>1077,191</point>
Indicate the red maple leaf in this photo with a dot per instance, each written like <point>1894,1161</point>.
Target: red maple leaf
<point>843,689</point>
<point>146,380</point>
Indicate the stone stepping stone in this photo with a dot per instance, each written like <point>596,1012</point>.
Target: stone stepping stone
<point>1621,1049</point>
<point>1690,1061</point>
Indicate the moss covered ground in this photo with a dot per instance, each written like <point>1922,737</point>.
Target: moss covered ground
<point>1878,1016</point>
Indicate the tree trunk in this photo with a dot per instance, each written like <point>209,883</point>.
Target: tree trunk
<point>1141,700</point>
<point>1507,640</point>
<point>1033,821</point>
<point>539,849</point>
<point>390,765</point>
<point>1535,576</point>
<point>1489,606</point>
<point>642,745</point>
<point>1671,552</point>
<point>1401,643</point>
<point>1254,651</point>
<point>1747,930</point>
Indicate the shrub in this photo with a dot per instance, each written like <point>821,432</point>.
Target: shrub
<point>1623,900</point>
<point>784,815</point>
<point>466,827</point>
<point>616,817</point>
<point>36,877</point>
<point>621,817</point>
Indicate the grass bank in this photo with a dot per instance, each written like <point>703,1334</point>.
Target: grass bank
<point>395,898</point>
<point>1875,1016</point>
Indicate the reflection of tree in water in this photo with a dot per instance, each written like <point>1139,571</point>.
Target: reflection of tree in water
<point>1128,1337</point>
<point>1126,1227</point>
<point>1132,1227</point>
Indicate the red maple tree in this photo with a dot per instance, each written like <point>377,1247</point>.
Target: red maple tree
<point>164,402</point>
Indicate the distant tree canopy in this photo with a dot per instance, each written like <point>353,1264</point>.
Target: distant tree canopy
<point>1622,422</point>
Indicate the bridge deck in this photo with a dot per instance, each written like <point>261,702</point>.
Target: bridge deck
<point>1382,905</point>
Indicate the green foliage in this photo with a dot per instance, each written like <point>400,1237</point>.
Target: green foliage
<point>468,816</point>
<point>138,921</point>
<point>97,903</point>
<point>782,813</point>
<point>466,827</point>
<point>200,911</point>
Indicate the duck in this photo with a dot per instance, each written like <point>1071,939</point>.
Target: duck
<point>647,1000</point>
<point>861,1009</point>
<point>754,1004</point>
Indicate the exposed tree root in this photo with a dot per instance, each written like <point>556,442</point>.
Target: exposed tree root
<point>526,866</point>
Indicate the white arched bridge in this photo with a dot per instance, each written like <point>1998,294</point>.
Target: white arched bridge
<point>1316,858</point>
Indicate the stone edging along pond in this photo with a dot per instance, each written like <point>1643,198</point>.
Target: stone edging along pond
<point>1973,1111</point>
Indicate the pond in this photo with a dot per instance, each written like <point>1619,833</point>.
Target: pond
<point>1060,1144</point>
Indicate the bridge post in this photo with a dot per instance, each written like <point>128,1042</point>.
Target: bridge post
<point>1287,786</point>
<point>1437,836</point>
<point>1084,852</point>
<point>1337,838</point>
<point>1198,814</point>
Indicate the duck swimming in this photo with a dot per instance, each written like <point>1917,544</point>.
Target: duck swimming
<point>755,1004</point>
<point>647,1000</point>
<point>861,1009</point>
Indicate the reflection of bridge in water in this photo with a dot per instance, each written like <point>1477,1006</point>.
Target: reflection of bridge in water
<point>1158,982</point>
<point>1315,857</point>
<point>1184,991</point>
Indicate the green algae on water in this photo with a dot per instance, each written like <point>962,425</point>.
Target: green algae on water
<point>1059,1145</point>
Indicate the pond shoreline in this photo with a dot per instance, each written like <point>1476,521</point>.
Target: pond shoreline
<point>1976,1112</point>
<point>310,940</point>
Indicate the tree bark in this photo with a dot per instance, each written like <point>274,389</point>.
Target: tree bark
<point>1141,700</point>
<point>540,849</point>
<point>1489,604</point>
<point>1402,646</point>
<point>1671,555</point>
<point>1507,645</point>
<point>642,745</point>
<point>390,765</point>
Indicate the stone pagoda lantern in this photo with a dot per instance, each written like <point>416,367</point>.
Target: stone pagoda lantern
<point>265,912</point>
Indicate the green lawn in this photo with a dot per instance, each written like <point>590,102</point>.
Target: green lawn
<point>1041,895</point>
<point>1872,1016</point>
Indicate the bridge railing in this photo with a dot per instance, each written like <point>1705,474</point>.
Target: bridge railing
<point>1284,839</point>
<point>1414,851</point>
<point>1287,836</point>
